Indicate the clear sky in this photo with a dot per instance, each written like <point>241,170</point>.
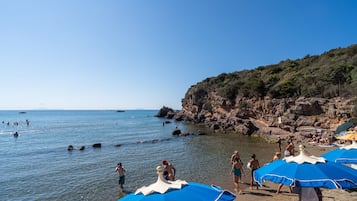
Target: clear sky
<point>144,54</point>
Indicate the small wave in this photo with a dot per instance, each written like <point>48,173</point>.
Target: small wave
<point>144,142</point>
<point>6,132</point>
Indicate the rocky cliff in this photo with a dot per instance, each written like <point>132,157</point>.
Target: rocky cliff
<point>298,116</point>
<point>292,97</point>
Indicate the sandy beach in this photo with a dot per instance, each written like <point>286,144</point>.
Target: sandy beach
<point>268,191</point>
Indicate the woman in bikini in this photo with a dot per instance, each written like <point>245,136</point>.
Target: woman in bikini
<point>237,171</point>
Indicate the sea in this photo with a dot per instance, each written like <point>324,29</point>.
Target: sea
<point>36,165</point>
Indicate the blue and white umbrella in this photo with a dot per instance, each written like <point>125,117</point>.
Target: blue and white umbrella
<point>307,171</point>
<point>346,154</point>
<point>178,190</point>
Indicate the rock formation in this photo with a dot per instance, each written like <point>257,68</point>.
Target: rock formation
<point>290,97</point>
<point>166,112</point>
<point>267,116</point>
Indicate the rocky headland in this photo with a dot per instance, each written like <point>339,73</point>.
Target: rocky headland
<point>292,116</point>
<point>294,97</point>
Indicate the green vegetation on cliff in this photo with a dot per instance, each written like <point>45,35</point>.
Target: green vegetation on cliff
<point>331,74</point>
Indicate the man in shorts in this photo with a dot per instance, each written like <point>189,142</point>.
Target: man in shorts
<point>121,172</point>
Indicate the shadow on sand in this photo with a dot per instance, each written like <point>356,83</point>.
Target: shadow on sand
<point>256,193</point>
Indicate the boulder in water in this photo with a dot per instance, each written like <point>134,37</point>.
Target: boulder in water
<point>97,145</point>
<point>176,132</point>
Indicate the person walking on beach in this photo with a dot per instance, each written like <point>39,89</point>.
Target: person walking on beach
<point>169,171</point>
<point>277,157</point>
<point>280,186</point>
<point>237,170</point>
<point>234,156</point>
<point>121,172</point>
<point>253,164</point>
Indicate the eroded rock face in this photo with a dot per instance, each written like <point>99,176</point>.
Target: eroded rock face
<point>290,114</point>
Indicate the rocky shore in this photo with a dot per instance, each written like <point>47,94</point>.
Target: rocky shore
<point>299,117</point>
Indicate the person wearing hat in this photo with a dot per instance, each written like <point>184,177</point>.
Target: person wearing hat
<point>169,172</point>
<point>254,164</point>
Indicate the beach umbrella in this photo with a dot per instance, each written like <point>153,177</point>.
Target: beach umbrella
<point>344,127</point>
<point>307,172</point>
<point>348,136</point>
<point>346,154</point>
<point>178,190</point>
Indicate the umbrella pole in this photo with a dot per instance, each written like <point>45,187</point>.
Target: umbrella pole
<point>310,194</point>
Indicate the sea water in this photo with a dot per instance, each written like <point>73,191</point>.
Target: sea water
<point>37,166</point>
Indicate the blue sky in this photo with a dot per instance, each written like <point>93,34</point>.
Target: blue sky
<point>144,54</point>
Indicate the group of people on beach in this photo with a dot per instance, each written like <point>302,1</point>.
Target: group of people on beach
<point>237,170</point>
<point>169,171</point>
<point>253,164</point>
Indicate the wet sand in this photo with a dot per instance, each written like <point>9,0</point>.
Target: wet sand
<point>268,191</point>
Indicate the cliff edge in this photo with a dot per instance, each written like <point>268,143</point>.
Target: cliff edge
<point>315,93</point>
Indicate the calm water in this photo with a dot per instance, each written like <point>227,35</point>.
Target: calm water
<point>37,166</point>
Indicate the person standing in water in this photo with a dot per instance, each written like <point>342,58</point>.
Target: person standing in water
<point>169,171</point>
<point>121,172</point>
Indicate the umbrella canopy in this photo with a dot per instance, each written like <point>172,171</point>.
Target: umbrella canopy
<point>344,127</point>
<point>346,154</point>
<point>178,190</point>
<point>307,171</point>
